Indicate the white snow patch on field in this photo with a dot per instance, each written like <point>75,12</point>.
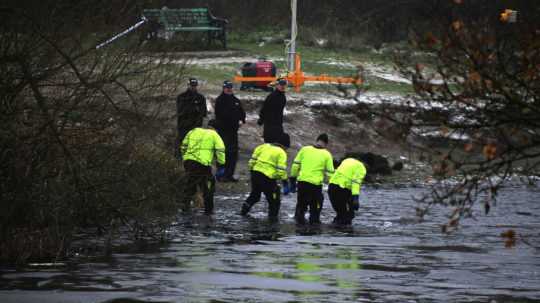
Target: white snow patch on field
<point>386,73</point>
<point>336,62</point>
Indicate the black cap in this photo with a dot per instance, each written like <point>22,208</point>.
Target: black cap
<point>323,138</point>
<point>193,82</point>
<point>227,84</point>
<point>281,81</point>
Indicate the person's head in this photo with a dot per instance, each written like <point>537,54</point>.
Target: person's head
<point>193,84</point>
<point>283,139</point>
<point>211,123</point>
<point>227,87</point>
<point>322,140</point>
<point>281,84</point>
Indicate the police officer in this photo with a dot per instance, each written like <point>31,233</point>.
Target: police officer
<point>267,165</point>
<point>190,110</point>
<point>198,150</point>
<point>309,167</point>
<point>229,115</point>
<point>271,114</point>
<point>344,189</point>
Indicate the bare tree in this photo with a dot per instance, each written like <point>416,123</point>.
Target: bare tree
<point>476,75</point>
<point>77,144</point>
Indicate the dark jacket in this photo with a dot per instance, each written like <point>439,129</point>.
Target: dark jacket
<point>271,114</point>
<point>190,109</point>
<point>229,112</point>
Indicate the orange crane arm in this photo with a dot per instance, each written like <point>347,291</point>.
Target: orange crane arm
<point>297,78</point>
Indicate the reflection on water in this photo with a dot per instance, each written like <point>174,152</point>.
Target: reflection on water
<point>385,257</point>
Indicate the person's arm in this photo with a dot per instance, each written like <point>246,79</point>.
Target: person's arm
<point>179,104</point>
<point>204,109</point>
<point>281,166</point>
<point>219,111</point>
<point>357,179</point>
<point>262,113</point>
<point>242,112</point>
<point>329,166</point>
<point>254,157</point>
<point>219,148</point>
<point>185,143</point>
<point>296,165</point>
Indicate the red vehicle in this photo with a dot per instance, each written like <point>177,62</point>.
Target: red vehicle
<point>261,68</point>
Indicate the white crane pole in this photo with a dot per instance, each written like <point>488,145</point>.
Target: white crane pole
<point>292,47</point>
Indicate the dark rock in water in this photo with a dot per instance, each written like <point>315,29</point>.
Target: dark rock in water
<point>375,164</point>
<point>397,166</point>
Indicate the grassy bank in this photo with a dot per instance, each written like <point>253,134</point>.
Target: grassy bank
<point>316,60</point>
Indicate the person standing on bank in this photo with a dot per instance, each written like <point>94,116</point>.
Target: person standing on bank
<point>198,149</point>
<point>271,114</point>
<point>344,189</point>
<point>229,114</point>
<point>190,111</point>
<point>267,165</point>
<point>309,167</point>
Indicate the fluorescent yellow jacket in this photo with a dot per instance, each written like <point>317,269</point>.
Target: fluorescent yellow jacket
<point>349,175</point>
<point>311,163</point>
<point>270,160</point>
<point>201,144</point>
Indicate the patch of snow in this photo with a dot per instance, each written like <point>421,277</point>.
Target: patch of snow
<point>439,134</point>
<point>336,62</point>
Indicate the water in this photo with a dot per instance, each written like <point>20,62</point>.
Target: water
<point>385,257</point>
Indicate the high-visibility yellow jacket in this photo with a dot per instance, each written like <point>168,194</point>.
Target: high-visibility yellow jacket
<point>311,164</point>
<point>349,175</point>
<point>270,160</point>
<point>201,144</point>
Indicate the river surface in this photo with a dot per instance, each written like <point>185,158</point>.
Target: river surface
<point>385,257</point>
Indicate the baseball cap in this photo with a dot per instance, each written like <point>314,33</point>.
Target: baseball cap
<point>193,82</point>
<point>227,84</point>
<point>281,81</point>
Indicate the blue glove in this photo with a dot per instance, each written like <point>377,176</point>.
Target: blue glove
<point>220,172</point>
<point>355,202</point>
<point>292,184</point>
<point>286,189</point>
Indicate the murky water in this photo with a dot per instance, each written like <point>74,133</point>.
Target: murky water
<point>385,257</point>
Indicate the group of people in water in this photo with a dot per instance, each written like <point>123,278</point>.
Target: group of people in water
<point>198,148</point>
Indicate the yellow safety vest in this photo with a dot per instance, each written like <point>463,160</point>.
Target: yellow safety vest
<point>349,175</point>
<point>270,160</point>
<point>311,164</point>
<point>201,144</point>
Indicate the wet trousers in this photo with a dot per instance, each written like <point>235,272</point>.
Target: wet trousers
<point>198,177</point>
<point>230,139</point>
<point>341,200</point>
<point>260,183</point>
<point>309,196</point>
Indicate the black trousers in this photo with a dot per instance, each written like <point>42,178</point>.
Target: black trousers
<point>260,183</point>
<point>198,176</point>
<point>309,196</point>
<point>341,200</point>
<point>230,139</point>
